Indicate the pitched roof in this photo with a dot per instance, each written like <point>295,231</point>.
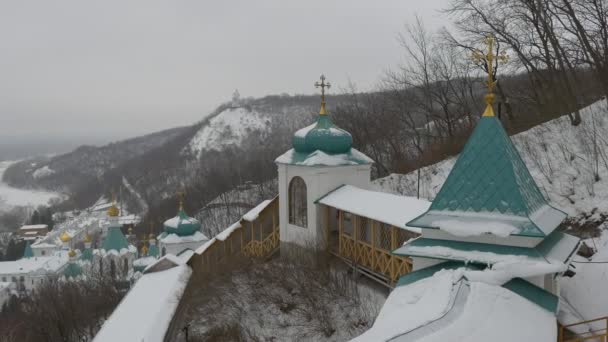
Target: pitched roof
<point>490,177</point>
<point>391,209</point>
<point>115,240</point>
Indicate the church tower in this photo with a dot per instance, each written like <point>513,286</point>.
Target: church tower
<point>321,160</point>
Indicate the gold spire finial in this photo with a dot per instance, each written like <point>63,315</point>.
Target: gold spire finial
<point>490,62</point>
<point>180,197</point>
<point>88,238</point>
<point>322,85</point>
<point>72,253</point>
<point>113,210</point>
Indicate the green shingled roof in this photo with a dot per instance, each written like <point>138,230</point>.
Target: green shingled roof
<point>115,240</point>
<point>490,177</point>
<point>72,270</point>
<point>87,254</point>
<point>27,252</point>
<point>533,293</point>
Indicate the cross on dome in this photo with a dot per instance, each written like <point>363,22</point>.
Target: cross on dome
<point>322,85</point>
<point>490,61</point>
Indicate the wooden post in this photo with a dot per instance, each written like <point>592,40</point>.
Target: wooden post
<point>373,224</point>
<point>393,263</point>
<point>354,221</point>
<point>327,228</point>
<point>340,231</point>
<point>242,237</point>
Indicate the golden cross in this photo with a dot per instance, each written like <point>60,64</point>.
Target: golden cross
<point>491,60</point>
<point>322,85</point>
<point>180,196</point>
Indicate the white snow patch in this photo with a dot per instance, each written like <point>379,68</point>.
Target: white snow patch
<point>228,128</point>
<point>472,228</point>
<point>42,172</point>
<point>253,214</point>
<point>320,158</point>
<point>174,238</point>
<point>147,309</point>
<point>11,197</point>
<point>380,206</point>
<point>412,306</point>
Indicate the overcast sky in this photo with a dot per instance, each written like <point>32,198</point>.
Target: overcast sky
<point>119,68</point>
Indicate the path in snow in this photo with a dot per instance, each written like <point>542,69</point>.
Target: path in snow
<point>11,197</point>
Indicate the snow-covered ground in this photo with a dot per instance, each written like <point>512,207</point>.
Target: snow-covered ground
<point>228,128</point>
<point>11,197</point>
<point>569,164</point>
<point>584,296</point>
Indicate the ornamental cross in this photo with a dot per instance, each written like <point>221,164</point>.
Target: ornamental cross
<point>322,85</point>
<point>180,196</point>
<point>491,60</point>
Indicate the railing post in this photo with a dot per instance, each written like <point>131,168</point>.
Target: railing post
<point>340,232</point>
<point>373,224</point>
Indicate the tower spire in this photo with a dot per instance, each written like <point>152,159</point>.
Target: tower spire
<point>322,85</point>
<point>490,60</point>
<point>180,198</point>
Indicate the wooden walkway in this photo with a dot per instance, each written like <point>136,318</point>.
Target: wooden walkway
<point>256,239</point>
<point>366,246</point>
<point>596,331</point>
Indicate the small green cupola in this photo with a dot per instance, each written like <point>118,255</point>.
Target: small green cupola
<point>323,143</point>
<point>322,135</point>
<point>182,224</point>
<point>28,252</point>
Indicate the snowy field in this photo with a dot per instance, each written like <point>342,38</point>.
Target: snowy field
<point>11,197</point>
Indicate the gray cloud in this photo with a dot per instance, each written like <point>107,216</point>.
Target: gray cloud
<point>115,68</point>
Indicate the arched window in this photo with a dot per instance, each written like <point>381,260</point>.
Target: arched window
<point>298,213</point>
<point>125,267</point>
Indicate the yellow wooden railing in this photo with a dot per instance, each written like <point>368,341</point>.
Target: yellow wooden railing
<point>566,333</point>
<point>258,239</point>
<point>368,244</point>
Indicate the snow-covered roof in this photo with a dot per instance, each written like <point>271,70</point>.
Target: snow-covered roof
<point>253,214</point>
<point>148,308</point>
<point>320,158</point>
<point>174,238</point>
<point>46,264</point>
<point>221,237</point>
<point>380,206</point>
<point>43,245</point>
<point>34,226</point>
<point>447,307</point>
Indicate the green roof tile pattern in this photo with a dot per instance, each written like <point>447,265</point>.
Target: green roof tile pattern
<point>533,293</point>
<point>491,177</point>
<point>115,240</point>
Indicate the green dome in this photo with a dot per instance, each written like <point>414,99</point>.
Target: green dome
<point>324,136</point>
<point>182,224</point>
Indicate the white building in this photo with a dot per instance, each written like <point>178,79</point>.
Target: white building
<point>180,233</point>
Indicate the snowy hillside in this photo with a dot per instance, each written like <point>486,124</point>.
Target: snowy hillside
<point>230,127</point>
<point>570,164</point>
